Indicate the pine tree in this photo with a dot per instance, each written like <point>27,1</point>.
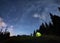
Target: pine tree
<point>34,33</point>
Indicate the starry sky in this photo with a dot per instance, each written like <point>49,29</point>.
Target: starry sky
<point>25,16</point>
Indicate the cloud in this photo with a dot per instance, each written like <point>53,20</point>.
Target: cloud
<point>43,17</point>
<point>3,26</point>
<point>36,15</point>
<point>2,23</point>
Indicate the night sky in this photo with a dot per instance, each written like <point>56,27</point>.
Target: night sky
<point>25,16</point>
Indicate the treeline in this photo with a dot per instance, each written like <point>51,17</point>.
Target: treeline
<point>4,35</point>
<point>51,29</point>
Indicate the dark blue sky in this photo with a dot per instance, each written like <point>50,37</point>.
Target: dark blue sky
<point>25,16</point>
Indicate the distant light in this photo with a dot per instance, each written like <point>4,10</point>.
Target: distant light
<point>38,34</point>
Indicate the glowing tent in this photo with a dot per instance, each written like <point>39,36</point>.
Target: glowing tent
<point>38,34</point>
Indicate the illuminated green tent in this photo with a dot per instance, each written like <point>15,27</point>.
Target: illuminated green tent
<point>38,34</point>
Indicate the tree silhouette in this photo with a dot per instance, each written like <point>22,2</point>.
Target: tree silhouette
<point>42,27</point>
<point>59,8</point>
<point>56,24</point>
<point>34,34</point>
<point>4,35</point>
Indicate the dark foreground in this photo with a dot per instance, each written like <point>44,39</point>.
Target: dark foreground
<point>30,39</point>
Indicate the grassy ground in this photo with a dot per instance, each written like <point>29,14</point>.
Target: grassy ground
<point>30,39</point>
